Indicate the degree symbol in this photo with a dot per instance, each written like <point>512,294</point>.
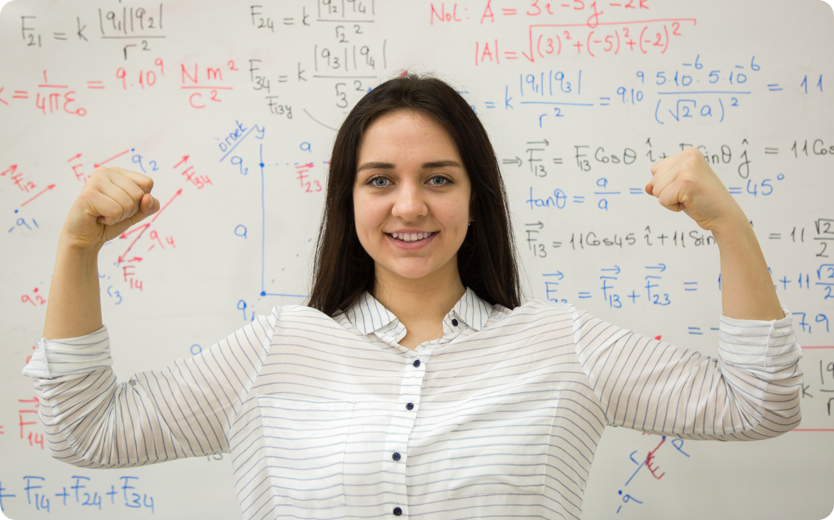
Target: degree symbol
<point>780,176</point>
<point>196,349</point>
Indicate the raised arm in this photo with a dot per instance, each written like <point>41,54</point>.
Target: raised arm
<point>751,390</point>
<point>112,200</point>
<point>686,182</point>
<point>187,409</point>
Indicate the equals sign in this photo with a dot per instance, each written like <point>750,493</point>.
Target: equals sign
<point>771,151</point>
<point>510,55</point>
<point>636,191</point>
<point>20,94</point>
<point>1,430</point>
<point>584,295</point>
<point>282,79</point>
<point>605,101</point>
<point>579,199</point>
<point>696,331</point>
<point>288,21</point>
<point>773,87</point>
<point>735,191</point>
<point>59,36</point>
<point>557,161</point>
<point>517,160</point>
<point>557,244</point>
<point>489,104</point>
<point>95,84</point>
<point>776,236</point>
<point>691,284</point>
<point>508,12</point>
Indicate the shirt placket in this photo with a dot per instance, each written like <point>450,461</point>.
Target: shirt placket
<point>396,449</point>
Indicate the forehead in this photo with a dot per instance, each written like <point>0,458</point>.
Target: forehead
<point>406,131</point>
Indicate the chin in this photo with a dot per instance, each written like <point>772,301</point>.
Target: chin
<point>411,272</point>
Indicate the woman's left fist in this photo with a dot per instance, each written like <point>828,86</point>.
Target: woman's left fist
<point>685,181</point>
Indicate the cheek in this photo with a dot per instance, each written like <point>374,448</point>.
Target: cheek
<point>368,218</point>
<point>459,215</point>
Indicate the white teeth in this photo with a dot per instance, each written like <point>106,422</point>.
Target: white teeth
<point>410,237</point>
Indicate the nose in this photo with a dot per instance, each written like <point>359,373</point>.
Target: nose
<point>409,204</point>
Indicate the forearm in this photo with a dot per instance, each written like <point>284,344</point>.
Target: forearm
<point>74,305</point>
<point>747,291</point>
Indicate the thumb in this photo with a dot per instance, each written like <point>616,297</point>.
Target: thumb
<point>147,207</point>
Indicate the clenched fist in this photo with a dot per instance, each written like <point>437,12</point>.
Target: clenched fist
<point>685,182</point>
<point>112,200</point>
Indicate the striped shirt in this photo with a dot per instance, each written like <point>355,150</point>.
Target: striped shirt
<point>331,418</point>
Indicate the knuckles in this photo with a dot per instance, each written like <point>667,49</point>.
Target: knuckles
<point>99,172</point>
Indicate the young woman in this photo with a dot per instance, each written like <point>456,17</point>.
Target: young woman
<point>415,383</point>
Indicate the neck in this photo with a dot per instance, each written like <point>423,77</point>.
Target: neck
<point>426,299</point>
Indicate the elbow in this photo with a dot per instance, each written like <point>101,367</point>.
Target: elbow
<point>62,450</point>
<point>780,415</point>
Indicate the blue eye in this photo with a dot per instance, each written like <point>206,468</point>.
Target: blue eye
<point>444,179</point>
<point>376,184</point>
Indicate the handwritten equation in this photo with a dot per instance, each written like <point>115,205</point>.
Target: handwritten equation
<point>38,493</point>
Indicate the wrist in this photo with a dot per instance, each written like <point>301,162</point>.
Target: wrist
<point>67,246</point>
<point>731,227</point>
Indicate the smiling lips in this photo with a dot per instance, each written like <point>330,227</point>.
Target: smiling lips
<point>411,237</point>
<point>411,240</point>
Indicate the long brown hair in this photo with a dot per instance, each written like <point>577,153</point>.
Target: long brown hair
<point>487,257</point>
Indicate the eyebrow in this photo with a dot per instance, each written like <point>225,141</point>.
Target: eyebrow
<point>425,166</point>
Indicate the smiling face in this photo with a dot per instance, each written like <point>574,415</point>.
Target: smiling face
<point>411,198</point>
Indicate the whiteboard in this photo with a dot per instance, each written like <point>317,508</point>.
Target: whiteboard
<point>232,109</point>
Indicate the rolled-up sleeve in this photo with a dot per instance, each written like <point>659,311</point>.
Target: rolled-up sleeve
<point>762,343</point>
<point>54,359</point>
<point>183,410</point>
<point>751,390</point>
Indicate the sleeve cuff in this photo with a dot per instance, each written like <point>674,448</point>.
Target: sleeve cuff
<point>73,356</point>
<point>755,342</point>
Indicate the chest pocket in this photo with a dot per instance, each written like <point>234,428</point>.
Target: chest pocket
<point>501,443</point>
<point>305,447</point>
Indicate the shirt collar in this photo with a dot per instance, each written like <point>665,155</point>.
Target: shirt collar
<point>369,315</point>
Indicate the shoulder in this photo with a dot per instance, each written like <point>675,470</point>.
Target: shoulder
<point>533,310</point>
<point>297,312</point>
<point>286,317</point>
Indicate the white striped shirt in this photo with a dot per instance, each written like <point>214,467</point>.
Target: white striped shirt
<point>330,418</point>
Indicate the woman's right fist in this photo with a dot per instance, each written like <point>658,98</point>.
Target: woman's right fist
<point>112,200</point>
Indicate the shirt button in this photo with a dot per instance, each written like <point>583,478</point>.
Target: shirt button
<point>397,511</point>
<point>395,456</point>
<point>409,406</point>
<point>416,363</point>
<point>455,322</point>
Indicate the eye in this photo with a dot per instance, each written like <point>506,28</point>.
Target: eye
<point>442,180</point>
<point>375,182</point>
